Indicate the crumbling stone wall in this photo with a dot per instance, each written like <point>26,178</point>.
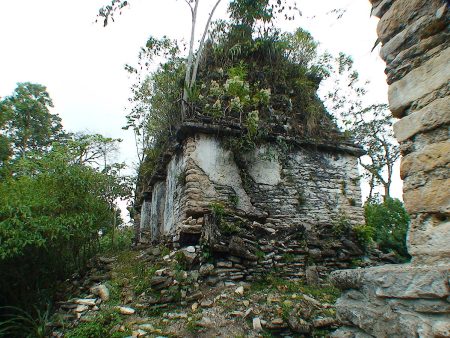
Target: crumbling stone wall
<point>284,206</point>
<point>411,300</point>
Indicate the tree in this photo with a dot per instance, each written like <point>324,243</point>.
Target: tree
<point>376,136</point>
<point>370,125</point>
<point>389,221</point>
<point>30,125</point>
<point>5,150</point>
<point>52,210</point>
<point>252,10</point>
<point>94,150</point>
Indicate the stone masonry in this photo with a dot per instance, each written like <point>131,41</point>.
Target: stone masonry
<point>411,300</point>
<point>284,207</point>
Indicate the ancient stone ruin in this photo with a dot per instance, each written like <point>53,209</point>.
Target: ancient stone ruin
<point>284,206</point>
<point>411,300</point>
<point>289,206</point>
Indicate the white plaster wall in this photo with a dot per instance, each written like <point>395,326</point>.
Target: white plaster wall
<point>173,194</point>
<point>145,215</point>
<point>218,163</point>
<point>263,166</point>
<point>157,209</point>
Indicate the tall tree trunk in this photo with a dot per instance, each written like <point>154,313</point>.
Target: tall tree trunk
<point>189,61</point>
<point>202,44</point>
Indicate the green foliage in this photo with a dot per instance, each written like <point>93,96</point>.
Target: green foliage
<point>288,257</point>
<point>249,73</point>
<point>341,226</point>
<point>51,212</point>
<point>100,327</point>
<point>268,76</point>
<point>29,123</point>
<point>228,228</point>
<point>234,200</point>
<point>260,255</point>
<point>218,211</point>
<point>364,235</point>
<point>389,221</point>
<point>327,294</point>
<point>121,240</point>
<point>15,322</point>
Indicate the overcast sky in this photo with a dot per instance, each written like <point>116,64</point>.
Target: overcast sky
<point>56,43</point>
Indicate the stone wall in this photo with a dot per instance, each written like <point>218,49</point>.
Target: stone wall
<point>412,300</point>
<point>285,206</point>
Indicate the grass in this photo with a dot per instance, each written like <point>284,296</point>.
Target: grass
<point>324,293</point>
<point>20,323</point>
<point>101,326</point>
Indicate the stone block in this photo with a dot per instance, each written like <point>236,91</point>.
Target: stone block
<point>431,157</point>
<point>432,116</point>
<point>381,7</point>
<point>421,81</point>
<point>397,301</point>
<point>434,197</point>
<point>428,240</point>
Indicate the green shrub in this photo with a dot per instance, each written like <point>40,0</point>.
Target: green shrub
<point>100,327</point>
<point>341,226</point>
<point>364,235</point>
<point>389,221</point>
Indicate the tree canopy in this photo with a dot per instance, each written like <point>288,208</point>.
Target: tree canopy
<point>29,124</point>
<point>57,194</point>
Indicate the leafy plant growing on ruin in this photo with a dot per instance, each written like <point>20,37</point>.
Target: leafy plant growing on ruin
<point>246,72</point>
<point>389,221</point>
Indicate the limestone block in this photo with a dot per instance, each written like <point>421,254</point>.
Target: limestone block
<point>391,48</point>
<point>431,157</point>
<point>409,283</point>
<point>218,164</point>
<point>421,81</point>
<point>437,306</point>
<point>263,170</point>
<point>432,116</point>
<point>396,281</point>
<point>428,240</point>
<point>434,197</point>
<point>392,296</point>
<point>441,328</point>
<point>380,8</point>
<point>349,332</point>
<point>401,13</point>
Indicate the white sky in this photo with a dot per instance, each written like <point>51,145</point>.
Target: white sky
<point>56,43</point>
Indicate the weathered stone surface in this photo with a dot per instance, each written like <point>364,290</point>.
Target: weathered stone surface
<point>419,82</point>
<point>428,240</point>
<point>102,291</point>
<point>324,322</point>
<point>125,310</point>
<point>411,300</point>
<point>349,332</point>
<point>381,7</point>
<point>85,301</point>
<point>398,301</point>
<point>403,12</point>
<point>434,197</point>
<point>299,325</point>
<point>257,324</point>
<point>347,279</point>
<point>392,48</point>
<point>432,116</point>
<point>431,157</point>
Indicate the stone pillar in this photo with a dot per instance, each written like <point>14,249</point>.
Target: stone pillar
<point>411,300</point>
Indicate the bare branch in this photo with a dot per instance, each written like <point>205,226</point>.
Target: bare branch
<point>190,58</point>
<point>190,6</point>
<point>202,44</point>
